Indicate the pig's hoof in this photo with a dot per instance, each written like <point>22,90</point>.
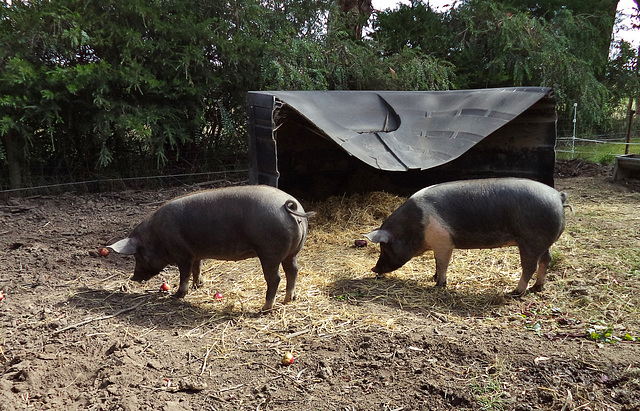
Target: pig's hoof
<point>440,283</point>
<point>266,308</point>
<point>516,294</point>
<point>536,288</point>
<point>179,294</point>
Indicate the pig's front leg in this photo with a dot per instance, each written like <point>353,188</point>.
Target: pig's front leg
<point>185,273</point>
<point>438,239</point>
<point>195,270</point>
<point>442,255</point>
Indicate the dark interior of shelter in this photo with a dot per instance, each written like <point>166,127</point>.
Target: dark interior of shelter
<point>305,161</point>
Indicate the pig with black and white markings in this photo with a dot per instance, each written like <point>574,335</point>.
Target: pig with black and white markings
<point>475,214</point>
<point>232,223</point>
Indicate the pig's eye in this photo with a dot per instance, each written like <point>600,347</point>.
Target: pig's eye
<point>142,252</point>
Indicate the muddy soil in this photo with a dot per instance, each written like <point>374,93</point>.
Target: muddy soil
<point>75,333</point>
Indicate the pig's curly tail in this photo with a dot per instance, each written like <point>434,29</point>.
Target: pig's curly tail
<point>292,207</point>
<point>563,198</point>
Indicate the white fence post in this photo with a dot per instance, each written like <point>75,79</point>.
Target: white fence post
<point>573,139</point>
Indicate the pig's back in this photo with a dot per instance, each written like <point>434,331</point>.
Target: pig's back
<point>481,212</point>
<point>232,223</point>
<point>246,202</point>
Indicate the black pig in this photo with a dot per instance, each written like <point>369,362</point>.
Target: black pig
<point>474,214</point>
<point>232,223</point>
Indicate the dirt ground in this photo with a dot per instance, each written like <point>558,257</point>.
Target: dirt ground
<point>75,333</point>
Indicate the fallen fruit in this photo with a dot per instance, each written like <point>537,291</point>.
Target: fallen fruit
<point>287,359</point>
<point>164,287</point>
<point>218,296</point>
<point>1,296</point>
<point>360,243</point>
<point>104,252</point>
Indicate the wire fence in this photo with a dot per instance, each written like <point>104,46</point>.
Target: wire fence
<point>570,143</point>
<point>610,144</point>
<point>621,138</point>
<point>112,184</point>
<point>611,137</point>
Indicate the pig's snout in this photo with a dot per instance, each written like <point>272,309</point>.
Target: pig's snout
<point>141,276</point>
<point>379,271</point>
<point>137,277</point>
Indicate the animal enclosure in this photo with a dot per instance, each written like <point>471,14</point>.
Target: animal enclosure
<point>317,144</point>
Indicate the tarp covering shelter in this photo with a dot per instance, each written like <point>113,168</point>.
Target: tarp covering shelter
<point>318,143</point>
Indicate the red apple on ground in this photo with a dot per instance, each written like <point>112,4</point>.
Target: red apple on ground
<point>360,243</point>
<point>164,287</point>
<point>219,296</point>
<point>287,359</point>
<point>104,252</point>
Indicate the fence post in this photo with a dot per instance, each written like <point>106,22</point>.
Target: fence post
<point>631,113</point>
<point>573,139</point>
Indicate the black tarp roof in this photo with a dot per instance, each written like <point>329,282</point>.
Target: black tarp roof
<point>395,130</point>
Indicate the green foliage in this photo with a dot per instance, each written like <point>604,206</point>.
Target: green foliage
<point>599,15</point>
<point>128,87</point>
<point>358,66</point>
<point>294,64</point>
<point>556,260</point>
<point>519,43</point>
<point>88,80</point>
<point>414,71</point>
<point>307,60</point>
<point>622,77</point>
<point>607,334</point>
<point>489,393</point>
<point>415,26</point>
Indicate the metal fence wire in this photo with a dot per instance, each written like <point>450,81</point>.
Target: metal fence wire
<point>622,137</point>
<point>570,140</point>
<point>112,184</point>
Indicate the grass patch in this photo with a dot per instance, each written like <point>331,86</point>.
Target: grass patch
<point>603,153</point>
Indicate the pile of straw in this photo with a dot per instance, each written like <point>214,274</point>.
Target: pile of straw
<point>337,292</point>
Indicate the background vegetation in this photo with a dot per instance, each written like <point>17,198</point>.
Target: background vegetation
<point>130,88</point>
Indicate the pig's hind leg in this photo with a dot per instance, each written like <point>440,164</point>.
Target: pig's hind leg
<point>290,266</point>
<point>543,264</point>
<point>529,261</point>
<point>271,272</point>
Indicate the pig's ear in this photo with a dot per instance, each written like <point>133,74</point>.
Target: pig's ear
<point>380,236</point>
<point>125,246</point>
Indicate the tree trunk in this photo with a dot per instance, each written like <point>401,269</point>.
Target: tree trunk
<point>610,10</point>
<point>358,12</point>
<point>15,158</point>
